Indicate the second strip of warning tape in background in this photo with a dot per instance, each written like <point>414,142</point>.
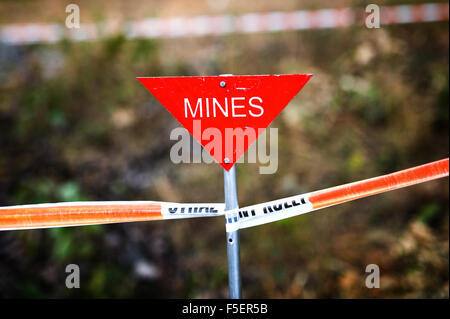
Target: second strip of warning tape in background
<point>216,25</point>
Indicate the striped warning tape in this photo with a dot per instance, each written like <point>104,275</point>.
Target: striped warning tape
<point>223,24</point>
<point>296,205</point>
<point>91,213</point>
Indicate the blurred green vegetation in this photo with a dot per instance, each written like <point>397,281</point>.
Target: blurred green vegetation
<point>77,125</point>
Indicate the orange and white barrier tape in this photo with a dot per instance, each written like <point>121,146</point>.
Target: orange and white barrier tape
<point>296,205</point>
<point>223,24</point>
<point>91,213</point>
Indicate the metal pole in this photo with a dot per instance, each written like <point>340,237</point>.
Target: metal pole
<point>231,202</point>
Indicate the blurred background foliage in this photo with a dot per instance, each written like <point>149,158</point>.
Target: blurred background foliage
<point>75,124</point>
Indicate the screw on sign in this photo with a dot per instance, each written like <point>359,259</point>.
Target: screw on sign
<point>222,106</point>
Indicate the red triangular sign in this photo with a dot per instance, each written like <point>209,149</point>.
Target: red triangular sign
<point>225,114</point>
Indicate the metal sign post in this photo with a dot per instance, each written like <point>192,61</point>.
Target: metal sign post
<point>231,202</point>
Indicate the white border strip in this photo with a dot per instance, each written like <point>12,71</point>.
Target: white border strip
<point>267,212</point>
<point>177,211</point>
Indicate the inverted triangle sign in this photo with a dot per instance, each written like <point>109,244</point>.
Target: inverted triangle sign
<point>225,114</point>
